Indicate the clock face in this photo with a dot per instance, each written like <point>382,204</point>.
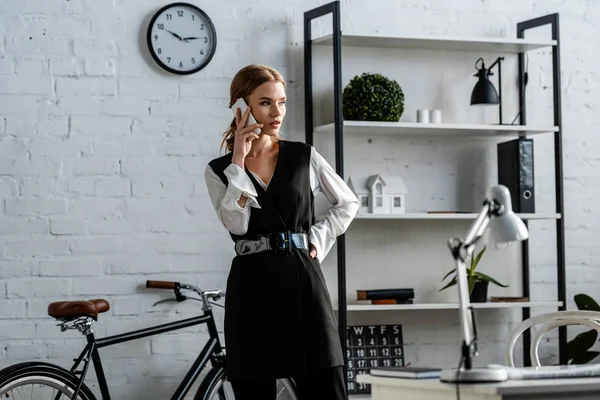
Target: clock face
<point>181,38</point>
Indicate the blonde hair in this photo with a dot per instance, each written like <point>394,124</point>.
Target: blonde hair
<point>244,83</point>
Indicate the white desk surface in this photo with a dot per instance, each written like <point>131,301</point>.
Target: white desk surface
<point>529,386</point>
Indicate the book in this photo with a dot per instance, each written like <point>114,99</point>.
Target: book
<point>407,372</point>
<point>509,299</point>
<point>379,294</point>
<point>391,301</point>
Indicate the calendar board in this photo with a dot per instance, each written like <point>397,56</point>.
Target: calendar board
<point>370,346</point>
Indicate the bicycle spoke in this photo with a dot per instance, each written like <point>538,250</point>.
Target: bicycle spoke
<point>38,388</point>
<point>281,391</point>
<point>21,393</point>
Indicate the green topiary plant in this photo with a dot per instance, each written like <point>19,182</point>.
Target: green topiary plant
<point>372,97</point>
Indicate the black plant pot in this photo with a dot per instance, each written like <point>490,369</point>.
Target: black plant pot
<point>479,293</point>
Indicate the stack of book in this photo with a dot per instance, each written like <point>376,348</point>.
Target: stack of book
<point>387,296</point>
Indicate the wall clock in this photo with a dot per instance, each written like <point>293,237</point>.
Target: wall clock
<point>181,38</point>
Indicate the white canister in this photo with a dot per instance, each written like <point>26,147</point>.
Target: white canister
<point>435,116</point>
<point>423,116</point>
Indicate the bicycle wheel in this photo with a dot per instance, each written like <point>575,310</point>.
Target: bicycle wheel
<point>37,380</point>
<point>215,387</point>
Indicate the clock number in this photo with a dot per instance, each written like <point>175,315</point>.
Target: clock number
<point>201,27</point>
<point>193,17</point>
<point>180,13</point>
<point>193,60</point>
<point>169,60</point>
<point>155,37</point>
<point>202,51</point>
<point>205,39</point>
<point>169,17</point>
<point>161,26</point>
<point>180,64</point>
<point>159,50</point>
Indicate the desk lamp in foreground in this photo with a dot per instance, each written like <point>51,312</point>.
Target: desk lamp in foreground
<point>505,227</point>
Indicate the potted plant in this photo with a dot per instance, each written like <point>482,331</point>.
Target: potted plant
<point>578,348</point>
<point>372,97</point>
<point>478,281</point>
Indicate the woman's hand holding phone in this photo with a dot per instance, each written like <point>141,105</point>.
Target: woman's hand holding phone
<point>244,135</point>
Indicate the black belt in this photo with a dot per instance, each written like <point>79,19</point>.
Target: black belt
<point>280,241</point>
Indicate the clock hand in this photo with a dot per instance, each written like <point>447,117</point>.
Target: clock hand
<point>174,34</point>
<point>191,38</point>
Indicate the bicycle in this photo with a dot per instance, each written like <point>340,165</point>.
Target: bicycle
<point>81,315</point>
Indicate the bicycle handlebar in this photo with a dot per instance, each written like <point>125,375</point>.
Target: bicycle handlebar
<point>162,285</point>
<point>205,295</point>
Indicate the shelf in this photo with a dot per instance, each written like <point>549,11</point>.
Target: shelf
<point>436,216</point>
<point>449,130</point>
<point>478,44</point>
<point>405,46</point>
<point>448,306</point>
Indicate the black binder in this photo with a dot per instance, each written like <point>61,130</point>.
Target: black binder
<point>515,171</point>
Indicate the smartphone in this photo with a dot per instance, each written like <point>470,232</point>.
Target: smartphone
<point>241,104</point>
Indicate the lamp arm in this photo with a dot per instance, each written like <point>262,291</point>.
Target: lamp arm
<point>499,84</point>
<point>495,62</point>
<point>461,250</point>
<point>479,225</point>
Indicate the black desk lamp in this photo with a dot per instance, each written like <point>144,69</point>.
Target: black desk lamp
<point>484,93</point>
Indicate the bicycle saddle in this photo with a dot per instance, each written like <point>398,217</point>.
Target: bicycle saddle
<point>75,309</point>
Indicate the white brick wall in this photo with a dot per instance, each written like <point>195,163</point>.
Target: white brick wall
<point>102,159</point>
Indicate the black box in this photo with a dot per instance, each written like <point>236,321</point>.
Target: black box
<point>515,171</point>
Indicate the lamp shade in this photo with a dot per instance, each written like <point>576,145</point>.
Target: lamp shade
<point>484,92</point>
<point>506,227</point>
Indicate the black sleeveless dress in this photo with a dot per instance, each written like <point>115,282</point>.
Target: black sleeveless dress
<point>279,320</point>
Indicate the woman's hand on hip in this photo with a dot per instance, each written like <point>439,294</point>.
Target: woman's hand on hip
<point>244,136</point>
<point>312,251</point>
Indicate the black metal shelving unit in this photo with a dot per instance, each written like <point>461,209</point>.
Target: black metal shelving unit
<point>333,8</point>
<point>553,21</point>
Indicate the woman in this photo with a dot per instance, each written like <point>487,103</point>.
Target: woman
<point>279,320</point>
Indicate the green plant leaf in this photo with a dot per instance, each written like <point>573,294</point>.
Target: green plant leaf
<point>475,260</point>
<point>585,358</point>
<point>581,343</point>
<point>448,274</point>
<point>483,277</point>
<point>472,281</point>
<point>451,283</point>
<point>586,303</point>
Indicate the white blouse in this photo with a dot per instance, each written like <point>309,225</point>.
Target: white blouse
<point>323,178</point>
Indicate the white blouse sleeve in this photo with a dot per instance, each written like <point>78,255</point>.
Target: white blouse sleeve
<point>343,205</point>
<point>225,198</point>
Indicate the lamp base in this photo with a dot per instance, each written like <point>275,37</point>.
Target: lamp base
<point>474,375</point>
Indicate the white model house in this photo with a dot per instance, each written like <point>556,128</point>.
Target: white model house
<point>379,194</point>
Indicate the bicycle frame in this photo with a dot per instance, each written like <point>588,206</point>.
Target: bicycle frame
<point>212,351</point>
